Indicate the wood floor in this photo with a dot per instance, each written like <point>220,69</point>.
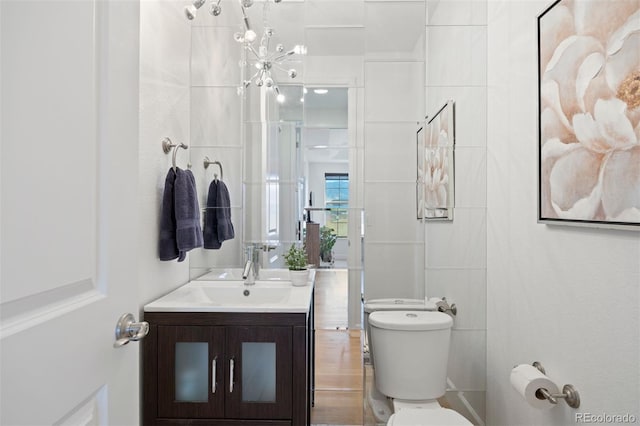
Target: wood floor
<point>339,371</point>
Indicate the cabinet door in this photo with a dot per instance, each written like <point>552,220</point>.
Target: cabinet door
<point>190,372</point>
<point>259,361</point>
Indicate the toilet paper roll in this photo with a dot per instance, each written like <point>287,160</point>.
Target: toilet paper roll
<point>526,379</point>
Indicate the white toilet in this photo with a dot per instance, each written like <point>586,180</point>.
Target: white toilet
<point>412,351</point>
<point>393,304</point>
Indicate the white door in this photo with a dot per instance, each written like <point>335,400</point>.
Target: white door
<point>69,166</point>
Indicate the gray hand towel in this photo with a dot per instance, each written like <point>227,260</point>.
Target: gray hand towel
<point>188,231</point>
<point>217,217</point>
<point>210,230</point>
<point>168,245</point>
<point>223,214</point>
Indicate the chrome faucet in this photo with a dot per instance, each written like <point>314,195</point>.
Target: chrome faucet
<point>252,256</point>
<point>247,274</point>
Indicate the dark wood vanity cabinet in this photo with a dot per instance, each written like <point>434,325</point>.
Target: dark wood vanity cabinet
<point>227,369</point>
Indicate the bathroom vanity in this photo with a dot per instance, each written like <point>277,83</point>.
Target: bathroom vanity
<point>222,353</point>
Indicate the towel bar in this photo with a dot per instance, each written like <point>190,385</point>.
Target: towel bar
<point>208,162</point>
<point>166,147</point>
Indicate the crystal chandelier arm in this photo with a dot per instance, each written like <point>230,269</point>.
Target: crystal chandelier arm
<point>284,55</point>
<point>245,19</point>
<point>253,50</point>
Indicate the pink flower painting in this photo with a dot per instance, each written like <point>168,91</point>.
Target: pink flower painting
<point>436,166</point>
<point>589,123</point>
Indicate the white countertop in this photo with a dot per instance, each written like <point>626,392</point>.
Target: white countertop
<point>235,296</point>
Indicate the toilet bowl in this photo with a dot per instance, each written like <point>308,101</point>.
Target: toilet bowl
<point>410,366</point>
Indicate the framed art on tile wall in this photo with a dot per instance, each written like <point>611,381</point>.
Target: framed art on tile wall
<point>589,113</point>
<point>439,164</point>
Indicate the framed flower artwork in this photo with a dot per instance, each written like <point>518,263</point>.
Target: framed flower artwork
<point>589,113</point>
<point>436,143</point>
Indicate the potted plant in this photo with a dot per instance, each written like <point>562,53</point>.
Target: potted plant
<point>296,260</point>
<point>328,239</point>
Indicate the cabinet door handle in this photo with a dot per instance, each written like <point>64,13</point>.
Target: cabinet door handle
<point>231,368</point>
<point>214,374</point>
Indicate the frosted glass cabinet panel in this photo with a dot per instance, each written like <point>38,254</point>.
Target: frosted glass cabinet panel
<point>192,371</point>
<point>258,372</point>
<point>262,372</point>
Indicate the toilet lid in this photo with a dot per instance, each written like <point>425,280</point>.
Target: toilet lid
<point>397,304</point>
<point>408,320</point>
<point>428,417</point>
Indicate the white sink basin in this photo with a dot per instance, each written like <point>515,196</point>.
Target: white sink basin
<point>235,296</point>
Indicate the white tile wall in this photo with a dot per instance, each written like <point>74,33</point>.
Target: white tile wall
<point>405,20</point>
<point>216,57</point>
<point>394,91</point>
<point>339,70</point>
<point>334,13</point>
<point>164,112</point>
<point>165,41</point>
<point>456,46</point>
<point>456,55</point>
<point>215,116</point>
<point>467,359</point>
<point>391,212</point>
<point>467,288</point>
<point>393,270</point>
<point>458,244</point>
<point>470,177</point>
<point>456,12</point>
<point>383,138</point>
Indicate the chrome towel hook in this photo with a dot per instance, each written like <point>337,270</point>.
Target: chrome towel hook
<point>166,147</point>
<point>208,162</point>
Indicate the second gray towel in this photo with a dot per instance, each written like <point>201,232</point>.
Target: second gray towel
<point>217,217</point>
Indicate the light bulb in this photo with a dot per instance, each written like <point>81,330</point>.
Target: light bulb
<point>190,12</point>
<point>215,10</point>
<point>268,31</point>
<point>280,48</point>
<point>250,36</point>
<point>293,73</point>
<point>238,37</point>
<point>259,82</point>
<point>247,3</point>
<point>280,98</point>
<point>198,3</point>
<point>300,49</point>
<point>268,82</point>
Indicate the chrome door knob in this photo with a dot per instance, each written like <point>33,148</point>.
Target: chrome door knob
<point>127,330</point>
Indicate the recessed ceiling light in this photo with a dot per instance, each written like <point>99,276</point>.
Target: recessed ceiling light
<point>320,146</point>
<point>320,91</point>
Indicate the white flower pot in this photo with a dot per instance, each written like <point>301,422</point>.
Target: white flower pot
<point>299,278</point>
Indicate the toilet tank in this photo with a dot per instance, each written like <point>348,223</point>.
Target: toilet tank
<point>412,352</point>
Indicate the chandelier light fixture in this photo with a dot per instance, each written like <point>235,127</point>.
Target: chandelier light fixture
<point>191,10</point>
<point>264,60</point>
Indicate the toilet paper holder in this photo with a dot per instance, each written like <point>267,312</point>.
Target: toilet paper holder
<point>569,393</point>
